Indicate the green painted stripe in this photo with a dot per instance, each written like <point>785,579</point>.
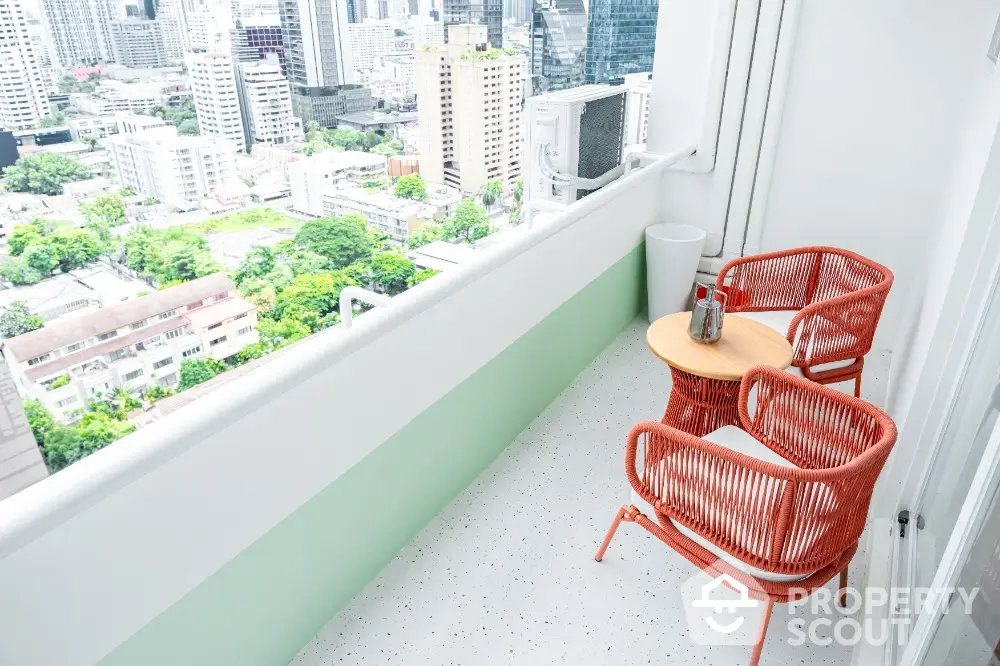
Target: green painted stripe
<point>264,605</point>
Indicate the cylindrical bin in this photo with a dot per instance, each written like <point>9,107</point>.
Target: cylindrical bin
<point>672,253</point>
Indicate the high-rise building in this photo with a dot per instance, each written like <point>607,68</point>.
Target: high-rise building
<point>138,43</point>
<point>268,110</point>
<point>22,95</point>
<point>368,40</point>
<point>181,170</point>
<point>470,111</point>
<point>488,13</point>
<point>245,8</point>
<point>425,31</point>
<point>207,30</point>
<point>213,84</point>
<point>558,45</point>
<point>621,36</point>
<point>252,38</point>
<point>318,61</point>
<point>173,24</point>
<point>81,30</point>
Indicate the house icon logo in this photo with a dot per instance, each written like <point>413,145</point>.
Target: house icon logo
<point>720,605</point>
<point>717,610</point>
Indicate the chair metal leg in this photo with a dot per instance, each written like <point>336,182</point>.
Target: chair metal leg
<point>762,633</point>
<point>624,513</point>
<point>842,597</point>
<point>857,386</point>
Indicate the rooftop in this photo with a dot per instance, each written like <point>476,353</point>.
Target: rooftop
<point>441,255</point>
<point>64,332</point>
<point>383,200</point>
<point>217,312</point>
<point>377,118</point>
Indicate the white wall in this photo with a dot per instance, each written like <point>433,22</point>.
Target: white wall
<point>109,543</point>
<point>877,101</point>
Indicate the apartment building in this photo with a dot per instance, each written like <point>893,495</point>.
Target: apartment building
<point>113,97</point>
<point>398,218</point>
<point>425,31</point>
<point>133,344</point>
<point>80,30</point>
<point>138,43</point>
<point>180,170</point>
<point>22,87</point>
<point>368,40</point>
<point>470,110</point>
<point>216,99</point>
<point>313,177</point>
<point>267,107</point>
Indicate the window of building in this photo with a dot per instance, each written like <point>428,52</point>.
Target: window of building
<point>161,363</point>
<point>168,314</point>
<point>119,353</point>
<point>167,380</point>
<point>217,341</point>
<point>39,359</point>
<point>108,335</point>
<point>193,306</point>
<point>69,400</point>
<point>73,347</point>
<point>174,333</point>
<point>240,316</point>
<point>137,325</point>
<point>129,376</point>
<point>244,330</point>
<point>214,326</point>
<point>191,352</point>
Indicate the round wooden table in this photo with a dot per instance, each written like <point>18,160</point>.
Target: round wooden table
<point>706,378</point>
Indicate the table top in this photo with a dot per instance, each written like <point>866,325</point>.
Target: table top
<point>744,344</point>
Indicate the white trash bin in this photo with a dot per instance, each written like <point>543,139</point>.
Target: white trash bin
<point>672,253</point>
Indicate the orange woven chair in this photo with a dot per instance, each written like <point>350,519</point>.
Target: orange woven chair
<point>826,300</point>
<point>780,504</point>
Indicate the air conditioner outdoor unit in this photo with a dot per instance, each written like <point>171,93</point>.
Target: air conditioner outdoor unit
<point>574,137</point>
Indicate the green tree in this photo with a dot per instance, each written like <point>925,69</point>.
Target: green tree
<point>21,237</point>
<point>44,173</point>
<point>62,448</point>
<point>426,234</point>
<point>17,272</point>
<point>194,372</point>
<point>76,248</point>
<point>251,352</point>
<point>342,240</point>
<point>258,262</point>
<point>469,223</point>
<point>280,277</point>
<point>55,120</point>
<point>422,276</point>
<point>305,261</point>
<point>392,272</point>
<point>518,191</point>
<point>411,187</point>
<point>281,332</point>
<point>312,293</point>
<point>492,192</point>
<point>59,382</point>
<point>260,293</point>
<point>41,256</point>
<point>188,127</point>
<point>126,192</point>
<point>91,142</point>
<point>106,208</point>
<point>40,420</point>
<point>371,139</point>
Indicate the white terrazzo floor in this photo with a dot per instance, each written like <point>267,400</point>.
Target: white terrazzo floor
<point>505,574</point>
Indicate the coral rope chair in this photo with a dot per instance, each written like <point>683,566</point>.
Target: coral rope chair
<point>780,504</point>
<point>826,300</point>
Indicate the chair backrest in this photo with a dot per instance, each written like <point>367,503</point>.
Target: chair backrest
<point>781,519</point>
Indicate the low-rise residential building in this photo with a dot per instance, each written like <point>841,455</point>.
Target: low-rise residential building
<point>114,96</point>
<point>180,170</point>
<point>82,127</point>
<point>133,344</point>
<point>444,199</point>
<point>441,255</point>
<point>398,218</point>
<point>313,177</point>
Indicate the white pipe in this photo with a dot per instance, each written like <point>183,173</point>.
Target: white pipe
<point>351,294</point>
<point>540,204</point>
<point>39,508</point>
<point>772,125</point>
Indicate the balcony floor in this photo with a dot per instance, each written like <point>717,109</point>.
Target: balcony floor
<point>505,573</point>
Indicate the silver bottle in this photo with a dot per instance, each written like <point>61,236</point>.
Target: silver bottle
<point>706,318</point>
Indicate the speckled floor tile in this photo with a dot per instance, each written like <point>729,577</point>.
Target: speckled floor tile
<point>505,573</point>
